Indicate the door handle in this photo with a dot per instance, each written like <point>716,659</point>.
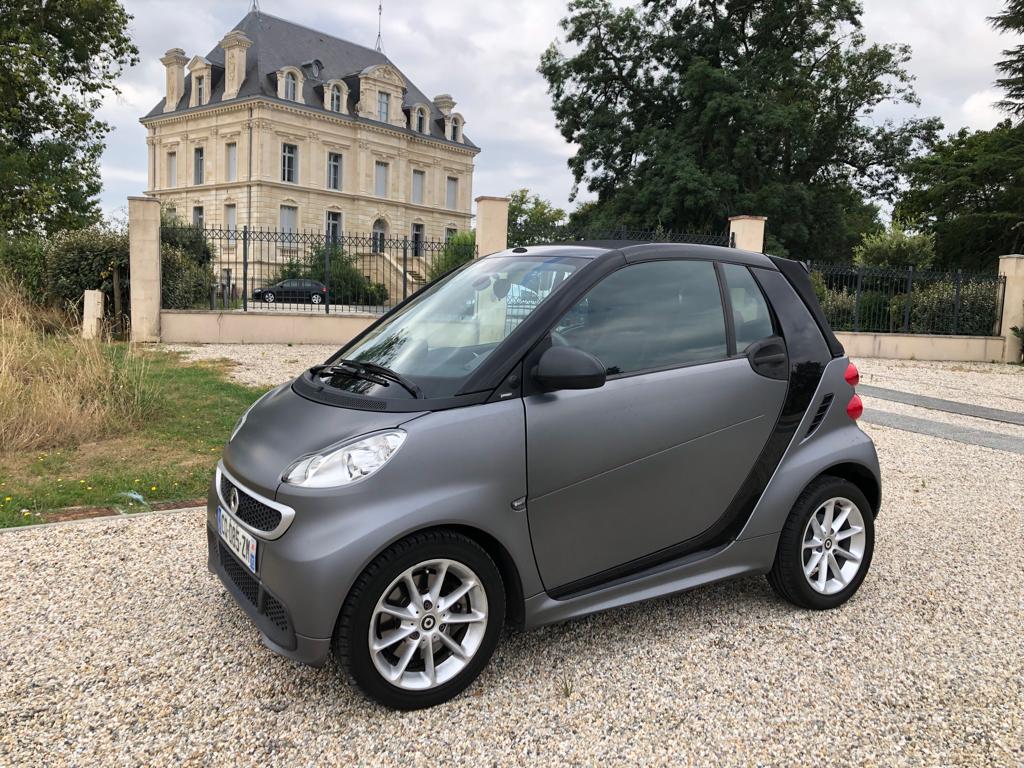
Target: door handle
<point>769,358</point>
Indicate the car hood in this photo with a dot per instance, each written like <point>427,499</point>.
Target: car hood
<point>284,426</point>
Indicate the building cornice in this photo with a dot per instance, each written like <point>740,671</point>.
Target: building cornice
<point>306,110</point>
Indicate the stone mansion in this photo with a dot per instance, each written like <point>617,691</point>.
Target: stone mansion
<point>286,127</point>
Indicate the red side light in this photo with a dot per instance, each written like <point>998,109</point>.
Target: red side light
<point>852,375</point>
<point>855,407</point>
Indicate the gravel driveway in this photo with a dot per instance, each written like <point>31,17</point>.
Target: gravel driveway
<point>119,648</point>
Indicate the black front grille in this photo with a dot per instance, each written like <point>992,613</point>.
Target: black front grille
<point>820,415</point>
<point>265,604</point>
<point>251,512</point>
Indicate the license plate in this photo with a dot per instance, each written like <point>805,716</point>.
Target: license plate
<point>238,541</point>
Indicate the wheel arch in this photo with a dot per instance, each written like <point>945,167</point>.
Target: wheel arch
<point>511,582</point>
<point>860,476</point>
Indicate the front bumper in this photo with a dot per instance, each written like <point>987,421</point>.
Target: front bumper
<point>269,613</point>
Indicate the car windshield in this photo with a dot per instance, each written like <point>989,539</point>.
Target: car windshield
<point>441,336</point>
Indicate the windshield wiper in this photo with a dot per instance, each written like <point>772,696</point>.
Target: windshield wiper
<point>361,369</point>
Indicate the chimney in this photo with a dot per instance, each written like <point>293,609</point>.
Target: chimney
<point>235,44</point>
<point>174,61</point>
<point>445,103</point>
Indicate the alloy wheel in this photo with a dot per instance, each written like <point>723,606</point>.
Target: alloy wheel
<point>834,542</point>
<point>428,624</point>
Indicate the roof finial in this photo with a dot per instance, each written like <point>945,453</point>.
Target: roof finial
<point>255,7</point>
<point>380,17</point>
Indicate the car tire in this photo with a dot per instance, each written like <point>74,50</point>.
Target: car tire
<point>316,298</point>
<point>805,547</point>
<point>268,297</point>
<point>366,618</point>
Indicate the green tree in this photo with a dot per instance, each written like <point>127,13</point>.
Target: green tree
<point>968,191</point>
<point>896,247</point>
<point>58,59</point>
<point>1012,67</point>
<point>684,113</point>
<point>460,248</point>
<point>531,219</point>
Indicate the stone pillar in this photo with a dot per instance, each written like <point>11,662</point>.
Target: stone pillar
<point>174,61</point>
<point>747,232</point>
<point>234,44</point>
<point>92,315</point>
<point>491,224</point>
<point>144,267</point>
<point>1012,268</point>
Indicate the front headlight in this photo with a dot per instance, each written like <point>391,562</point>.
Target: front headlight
<point>347,463</point>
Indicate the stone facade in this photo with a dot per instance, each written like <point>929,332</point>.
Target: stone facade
<point>231,145</point>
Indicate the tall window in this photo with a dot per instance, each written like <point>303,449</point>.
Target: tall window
<point>418,183</point>
<point>379,235</point>
<point>452,192</point>
<point>380,179</point>
<point>230,221</point>
<point>333,170</point>
<point>200,89</point>
<point>172,169</point>
<point>456,129</point>
<point>197,216</point>
<point>291,88</point>
<point>290,163</point>
<point>335,99</point>
<point>231,162</point>
<point>421,120</point>
<point>289,218</point>
<point>383,106</point>
<point>449,233</point>
<point>197,166</point>
<point>333,229</point>
<point>417,240</point>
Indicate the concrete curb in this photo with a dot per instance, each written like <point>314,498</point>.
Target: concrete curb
<point>104,519</point>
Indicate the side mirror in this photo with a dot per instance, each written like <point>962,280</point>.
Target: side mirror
<point>569,368</point>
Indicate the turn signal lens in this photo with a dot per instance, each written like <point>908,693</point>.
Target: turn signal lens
<point>852,375</point>
<point>855,407</point>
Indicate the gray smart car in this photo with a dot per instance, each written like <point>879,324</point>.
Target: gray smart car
<point>541,434</point>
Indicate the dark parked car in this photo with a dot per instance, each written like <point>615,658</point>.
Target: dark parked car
<point>545,433</point>
<point>292,291</point>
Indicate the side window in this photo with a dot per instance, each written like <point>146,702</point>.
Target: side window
<point>750,314</point>
<point>651,315</point>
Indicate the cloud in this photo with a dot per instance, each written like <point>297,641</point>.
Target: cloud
<point>486,55</point>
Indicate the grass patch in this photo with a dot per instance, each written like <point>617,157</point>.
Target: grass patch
<point>167,455</point>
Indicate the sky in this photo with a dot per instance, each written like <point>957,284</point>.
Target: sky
<point>485,53</point>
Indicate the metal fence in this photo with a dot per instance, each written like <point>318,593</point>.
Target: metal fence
<point>270,270</point>
<point>891,300</point>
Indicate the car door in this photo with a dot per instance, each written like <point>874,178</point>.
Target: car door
<point>652,459</point>
<point>290,290</point>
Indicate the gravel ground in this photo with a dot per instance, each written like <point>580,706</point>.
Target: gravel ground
<point>259,365</point>
<point>121,649</point>
<point>995,385</point>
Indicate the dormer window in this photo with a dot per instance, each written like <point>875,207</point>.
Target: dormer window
<point>335,99</point>
<point>201,89</point>
<point>291,88</point>
<point>383,106</point>
<point>456,129</point>
<point>421,120</point>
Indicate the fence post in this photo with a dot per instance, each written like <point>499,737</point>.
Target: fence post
<point>1011,268</point>
<point>491,224</point>
<point>92,315</point>
<point>245,268</point>
<point>956,301</point>
<point>405,268</point>
<point>327,272</point>
<point>856,300</point>
<point>144,267</point>
<point>910,299</point>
